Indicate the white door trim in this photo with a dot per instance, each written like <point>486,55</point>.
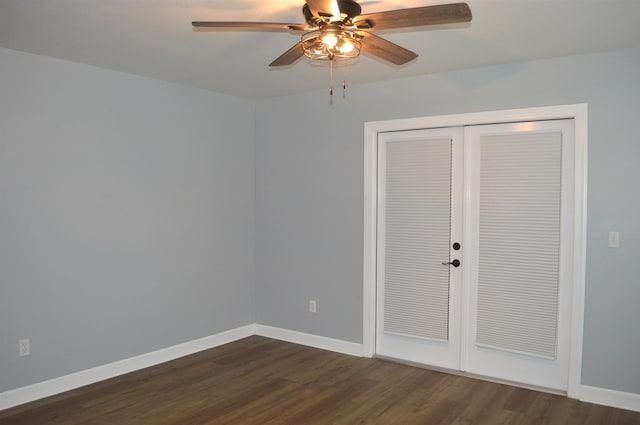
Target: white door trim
<point>578,112</point>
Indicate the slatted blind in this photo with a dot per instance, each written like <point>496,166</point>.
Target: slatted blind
<point>518,263</point>
<point>417,234</point>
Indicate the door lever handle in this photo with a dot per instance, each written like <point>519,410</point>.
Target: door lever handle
<point>454,263</point>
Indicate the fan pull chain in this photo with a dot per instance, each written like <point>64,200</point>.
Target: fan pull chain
<point>344,81</point>
<point>330,82</point>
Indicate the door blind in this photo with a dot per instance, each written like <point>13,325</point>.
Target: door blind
<point>417,222</point>
<point>519,242</point>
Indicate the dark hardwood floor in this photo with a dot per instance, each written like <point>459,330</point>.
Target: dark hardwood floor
<point>258,381</point>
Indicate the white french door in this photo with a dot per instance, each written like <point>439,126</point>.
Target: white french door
<point>498,199</point>
<point>419,218</point>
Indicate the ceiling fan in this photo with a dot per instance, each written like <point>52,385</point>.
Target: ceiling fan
<point>335,30</point>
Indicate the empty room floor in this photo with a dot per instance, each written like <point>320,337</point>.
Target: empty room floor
<point>258,381</point>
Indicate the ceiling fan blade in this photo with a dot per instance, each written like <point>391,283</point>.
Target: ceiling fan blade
<point>290,56</point>
<point>250,25</point>
<point>385,49</point>
<point>417,16</point>
<point>324,8</point>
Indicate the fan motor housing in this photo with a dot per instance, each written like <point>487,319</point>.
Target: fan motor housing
<point>347,7</point>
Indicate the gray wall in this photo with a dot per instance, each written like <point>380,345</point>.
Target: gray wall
<point>309,194</point>
<point>127,206</point>
<point>126,215</point>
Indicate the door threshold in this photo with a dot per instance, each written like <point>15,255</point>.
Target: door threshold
<point>475,376</point>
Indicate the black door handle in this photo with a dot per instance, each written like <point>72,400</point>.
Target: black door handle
<point>454,263</point>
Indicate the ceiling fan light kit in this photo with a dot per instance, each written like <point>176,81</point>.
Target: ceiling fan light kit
<point>331,44</point>
<point>336,31</point>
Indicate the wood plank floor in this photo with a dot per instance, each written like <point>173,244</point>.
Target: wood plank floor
<point>259,381</point>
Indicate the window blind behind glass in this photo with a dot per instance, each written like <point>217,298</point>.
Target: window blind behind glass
<point>519,242</point>
<point>417,234</point>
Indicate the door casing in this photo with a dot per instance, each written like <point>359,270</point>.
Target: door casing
<point>578,113</point>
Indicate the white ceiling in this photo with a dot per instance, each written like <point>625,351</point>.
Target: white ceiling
<point>154,38</point>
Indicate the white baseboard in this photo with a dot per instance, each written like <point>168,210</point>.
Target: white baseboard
<point>330,344</point>
<point>618,399</point>
<point>100,373</point>
<point>612,398</point>
<point>79,379</point>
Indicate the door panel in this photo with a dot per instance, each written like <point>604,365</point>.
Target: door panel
<point>520,180</point>
<point>415,226</point>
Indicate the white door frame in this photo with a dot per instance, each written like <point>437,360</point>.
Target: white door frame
<point>578,112</point>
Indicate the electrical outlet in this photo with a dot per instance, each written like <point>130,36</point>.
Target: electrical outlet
<point>24,346</point>
<point>313,306</point>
